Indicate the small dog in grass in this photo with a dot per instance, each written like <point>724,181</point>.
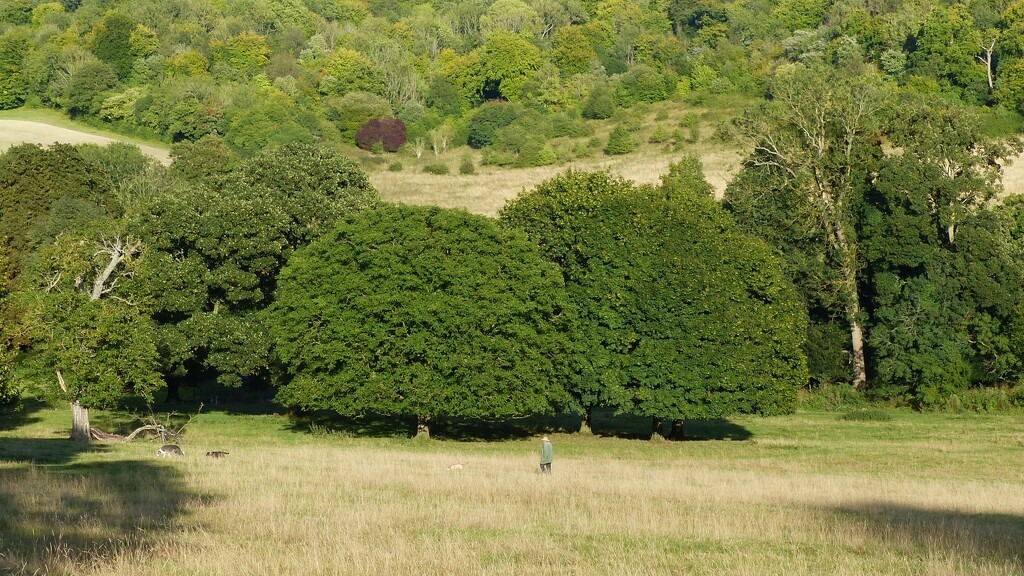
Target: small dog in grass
<point>169,450</point>
<point>455,467</point>
<point>217,454</point>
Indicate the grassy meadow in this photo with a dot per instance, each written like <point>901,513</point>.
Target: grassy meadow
<point>802,494</point>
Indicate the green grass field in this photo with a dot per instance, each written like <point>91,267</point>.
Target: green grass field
<point>804,494</point>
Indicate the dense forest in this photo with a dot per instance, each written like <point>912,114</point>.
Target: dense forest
<point>864,241</point>
<point>507,75</point>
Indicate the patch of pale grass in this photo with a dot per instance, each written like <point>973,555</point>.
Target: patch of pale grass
<point>361,510</point>
<point>806,495</point>
<point>487,191</point>
<point>17,131</point>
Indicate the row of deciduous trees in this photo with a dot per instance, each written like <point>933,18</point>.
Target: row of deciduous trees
<point>589,291</point>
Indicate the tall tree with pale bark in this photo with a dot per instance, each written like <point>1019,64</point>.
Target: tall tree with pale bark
<point>812,150</point>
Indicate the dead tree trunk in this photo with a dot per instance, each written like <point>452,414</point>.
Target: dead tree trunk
<point>80,431</point>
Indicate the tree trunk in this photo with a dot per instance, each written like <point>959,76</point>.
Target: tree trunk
<point>423,427</point>
<point>677,432</point>
<point>79,422</point>
<point>586,422</point>
<point>849,266</point>
<point>860,373</point>
<point>656,428</point>
<point>173,385</point>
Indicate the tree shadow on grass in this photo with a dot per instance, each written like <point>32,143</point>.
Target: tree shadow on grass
<point>23,415</point>
<point>57,515</point>
<point>984,536</point>
<point>605,423</point>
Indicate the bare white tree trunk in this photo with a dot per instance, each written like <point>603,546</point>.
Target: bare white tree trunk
<point>986,61</point>
<point>79,422</point>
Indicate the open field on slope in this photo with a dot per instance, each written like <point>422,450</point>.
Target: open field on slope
<point>804,494</point>
<point>46,127</point>
<point>486,191</point>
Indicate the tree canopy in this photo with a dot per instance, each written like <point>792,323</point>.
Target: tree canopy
<point>422,311</point>
<point>682,315</point>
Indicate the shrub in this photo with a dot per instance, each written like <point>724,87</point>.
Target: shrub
<point>643,83</point>
<point>867,415</point>
<point>660,135</point>
<point>389,133</point>
<point>535,153</point>
<point>466,166</point>
<point>620,141</point>
<point>689,119</point>
<point>487,121</point>
<point>395,167</point>
<point>831,398</point>
<point>436,168</point>
<point>987,399</point>
<point>599,105</point>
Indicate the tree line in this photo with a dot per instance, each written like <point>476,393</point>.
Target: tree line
<point>864,241</point>
<point>589,291</point>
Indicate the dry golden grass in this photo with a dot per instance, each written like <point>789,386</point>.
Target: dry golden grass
<point>486,191</point>
<point>804,502</point>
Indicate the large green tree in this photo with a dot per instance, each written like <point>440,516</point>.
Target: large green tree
<point>682,315</point>
<point>217,246</point>
<point>8,390</point>
<point>944,283</point>
<point>812,150</point>
<point>422,311</point>
<point>92,337</point>
<point>32,179</point>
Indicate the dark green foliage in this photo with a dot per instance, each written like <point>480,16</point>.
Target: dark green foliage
<point>207,161</point>
<point>466,166</point>
<point>620,141</point>
<point>214,255</point>
<point>85,87</point>
<point>313,185</point>
<point>599,105</point>
<point>32,178</point>
<point>681,314</point>
<point>866,415</point>
<point>395,167</point>
<point>945,284</point>
<point>14,47</point>
<point>643,83</point>
<point>9,391</point>
<point>16,11</point>
<point>685,178</point>
<point>388,133</point>
<point>516,145</point>
<point>87,324</point>
<point>425,311</point>
<point>487,121</point>
<point>445,97</point>
<point>111,43</point>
